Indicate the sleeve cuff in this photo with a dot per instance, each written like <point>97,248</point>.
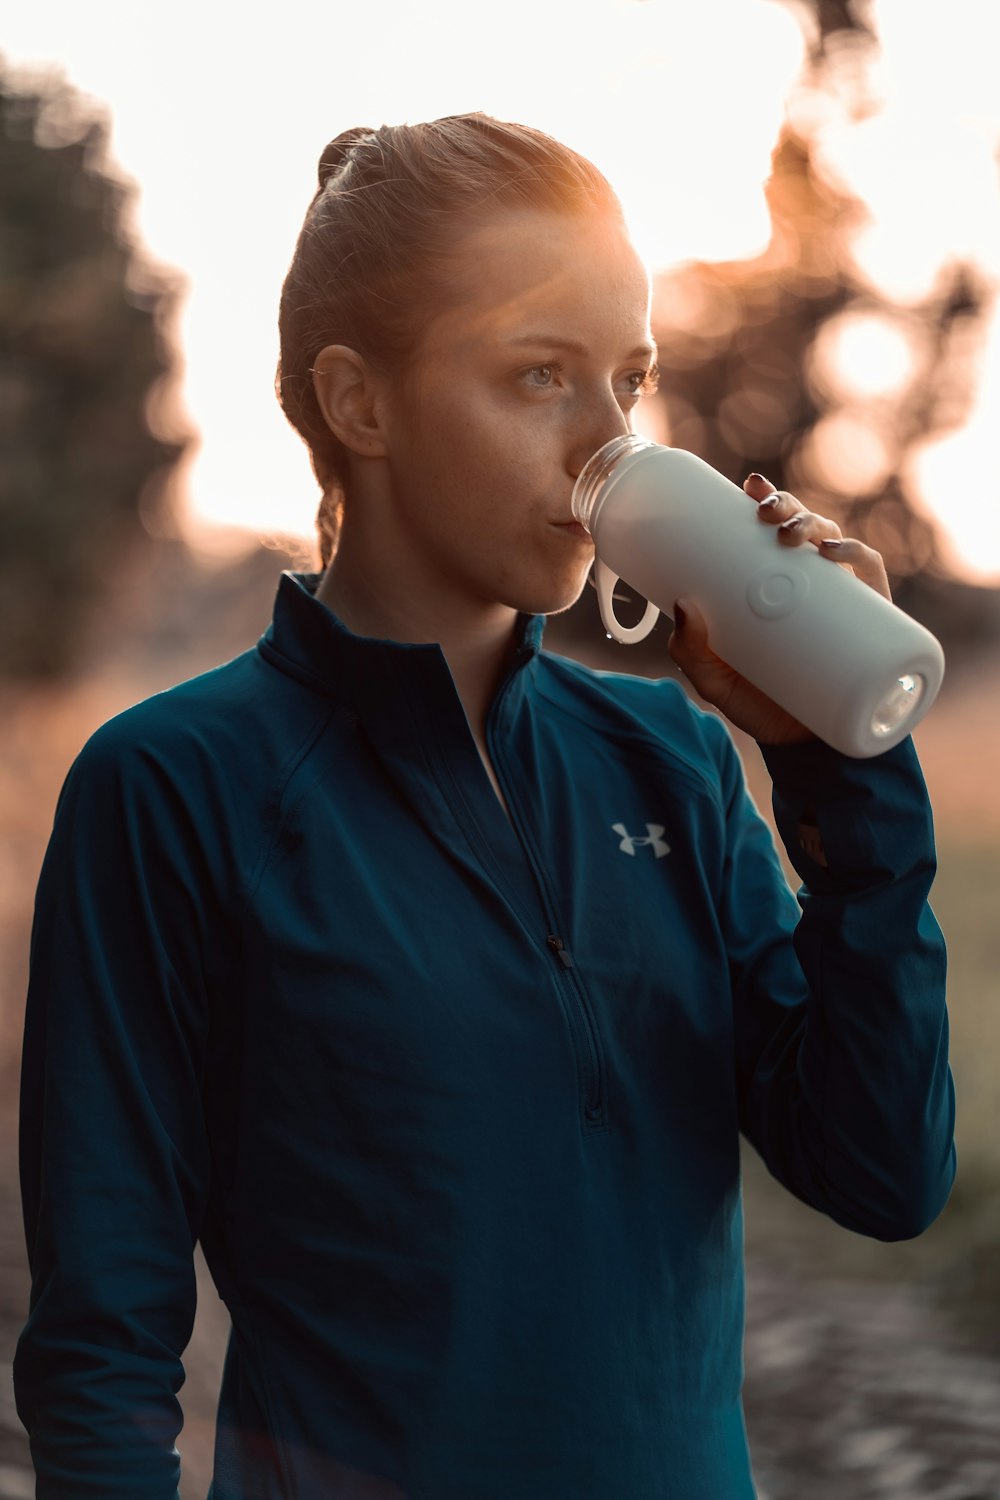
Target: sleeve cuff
<point>846,822</point>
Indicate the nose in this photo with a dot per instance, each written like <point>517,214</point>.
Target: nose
<point>598,427</point>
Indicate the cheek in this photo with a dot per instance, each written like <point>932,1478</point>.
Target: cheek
<point>490,476</point>
<point>473,454</point>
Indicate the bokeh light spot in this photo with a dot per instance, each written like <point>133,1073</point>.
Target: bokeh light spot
<point>846,453</point>
<point>862,354</point>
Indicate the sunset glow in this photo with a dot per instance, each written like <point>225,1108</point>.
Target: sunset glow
<point>221,128</point>
<point>960,473</point>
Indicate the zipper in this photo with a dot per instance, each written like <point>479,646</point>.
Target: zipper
<point>578,1011</point>
<point>593,1108</point>
<point>560,950</point>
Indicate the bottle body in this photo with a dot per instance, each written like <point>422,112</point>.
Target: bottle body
<point>840,658</point>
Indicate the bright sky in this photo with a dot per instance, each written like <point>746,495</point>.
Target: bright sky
<point>220,118</point>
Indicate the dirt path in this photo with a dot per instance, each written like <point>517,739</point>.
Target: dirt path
<point>859,1390</point>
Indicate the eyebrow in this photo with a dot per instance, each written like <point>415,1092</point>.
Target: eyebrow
<point>569,346</point>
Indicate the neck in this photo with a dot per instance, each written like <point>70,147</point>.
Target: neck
<point>477,640</point>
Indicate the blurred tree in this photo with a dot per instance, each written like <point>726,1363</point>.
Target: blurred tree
<point>833,17</point>
<point>82,350</point>
<point>742,388</point>
<point>750,379</point>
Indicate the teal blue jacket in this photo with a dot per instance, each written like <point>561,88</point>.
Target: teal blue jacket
<point>452,1102</point>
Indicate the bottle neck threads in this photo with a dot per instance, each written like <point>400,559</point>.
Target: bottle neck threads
<point>589,489</point>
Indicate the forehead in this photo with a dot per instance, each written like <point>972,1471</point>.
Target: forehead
<point>578,276</point>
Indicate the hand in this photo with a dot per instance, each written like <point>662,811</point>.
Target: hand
<point>718,683</point>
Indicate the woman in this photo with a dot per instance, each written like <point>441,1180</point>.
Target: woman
<point>428,978</point>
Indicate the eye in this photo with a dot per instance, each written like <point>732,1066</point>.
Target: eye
<point>542,377</point>
<point>643,382</point>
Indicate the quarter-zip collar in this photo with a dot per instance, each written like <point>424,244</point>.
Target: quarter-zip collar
<point>365,673</point>
<point>404,699</point>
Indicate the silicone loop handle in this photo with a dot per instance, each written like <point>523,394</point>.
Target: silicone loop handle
<point>625,635</point>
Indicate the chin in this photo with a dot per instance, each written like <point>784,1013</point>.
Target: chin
<point>545,592</point>
<point>561,607</point>
<point>550,601</point>
<point>552,591</point>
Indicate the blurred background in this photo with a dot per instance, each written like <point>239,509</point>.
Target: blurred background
<point>815,185</point>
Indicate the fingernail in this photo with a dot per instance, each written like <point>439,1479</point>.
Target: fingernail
<point>755,475</point>
<point>767,504</point>
<point>792,524</point>
<point>680,618</point>
<point>831,541</point>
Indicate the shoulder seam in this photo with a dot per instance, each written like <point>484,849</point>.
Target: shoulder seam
<point>647,739</point>
<point>288,772</point>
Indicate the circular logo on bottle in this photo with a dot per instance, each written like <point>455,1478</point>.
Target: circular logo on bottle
<point>776,589</point>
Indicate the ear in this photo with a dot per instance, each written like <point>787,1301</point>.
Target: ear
<point>347,389</point>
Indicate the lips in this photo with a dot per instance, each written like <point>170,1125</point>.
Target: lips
<point>574,528</point>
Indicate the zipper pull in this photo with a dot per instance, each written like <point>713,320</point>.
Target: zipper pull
<point>559,949</point>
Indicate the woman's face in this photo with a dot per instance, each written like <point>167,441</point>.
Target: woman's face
<point>538,362</point>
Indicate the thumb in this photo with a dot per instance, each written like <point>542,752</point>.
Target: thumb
<point>688,645</point>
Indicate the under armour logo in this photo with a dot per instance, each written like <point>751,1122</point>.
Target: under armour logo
<point>654,837</point>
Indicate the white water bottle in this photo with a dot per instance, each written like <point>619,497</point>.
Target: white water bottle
<point>844,661</point>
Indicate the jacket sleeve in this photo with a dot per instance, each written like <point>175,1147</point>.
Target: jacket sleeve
<point>841,1024</point>
<point>114,1160</point>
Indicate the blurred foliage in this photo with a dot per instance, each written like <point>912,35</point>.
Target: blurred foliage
<point>833,17</point>
<point>748,382</point>
<point>82,349</point>
<point>749,365</point>
<point>742,389</point>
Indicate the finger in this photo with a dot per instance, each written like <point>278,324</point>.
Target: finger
<point>773,505</point>
<point>688,642</point>
<point>865,561</point>
<point>780,506</point>
<point>757,487</point>
<point>690,629</point>
<point>689,647</point>
<point>807,526</point>
<point>717,682</point>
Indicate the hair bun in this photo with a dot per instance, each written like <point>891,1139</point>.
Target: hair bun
<point>336,152</point>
